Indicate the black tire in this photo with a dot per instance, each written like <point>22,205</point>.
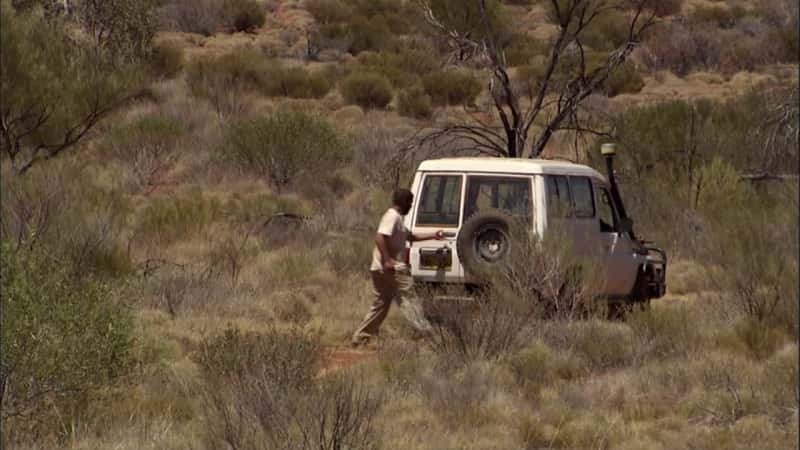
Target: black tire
<point>484,242</point>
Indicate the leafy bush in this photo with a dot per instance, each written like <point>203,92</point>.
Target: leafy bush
<point>244,15</point>
<point>451,87</point>
<point>623,80</point>
<point>60,336</point>
<point>54,91</point>
<point>366,89</point>
<point>414,102</point>
<point>280,147</point>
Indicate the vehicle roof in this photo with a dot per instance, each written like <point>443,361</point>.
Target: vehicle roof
<point>509,166</point>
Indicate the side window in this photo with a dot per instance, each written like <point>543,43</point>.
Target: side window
<point>559,203</point>
<point>510,194</point>
<point>440,201</point>
<point>605,211</point>
<point>582,195</point>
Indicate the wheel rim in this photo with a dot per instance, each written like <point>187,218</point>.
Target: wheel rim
<point>491,244</point>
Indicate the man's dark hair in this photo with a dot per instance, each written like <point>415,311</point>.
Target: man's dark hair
<point>402,196</point>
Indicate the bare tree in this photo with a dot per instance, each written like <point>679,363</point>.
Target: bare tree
<point>553,103</point>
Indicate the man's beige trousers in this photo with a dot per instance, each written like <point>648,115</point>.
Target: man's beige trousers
<point>387,287</point>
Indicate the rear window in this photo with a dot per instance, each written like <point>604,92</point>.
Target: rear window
<point>510,194</point>
<point>440,201</point>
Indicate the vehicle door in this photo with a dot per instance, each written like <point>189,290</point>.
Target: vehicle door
<point>437,206</point>
<point>571,213</point>
<point>621,262</point>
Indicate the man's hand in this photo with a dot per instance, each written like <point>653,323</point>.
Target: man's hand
<point>389,265</point>
<point>439,235</point>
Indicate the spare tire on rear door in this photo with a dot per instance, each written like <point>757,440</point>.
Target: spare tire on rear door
<point>484,242</point>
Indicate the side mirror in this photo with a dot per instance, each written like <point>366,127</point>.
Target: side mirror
<point>625,225</point>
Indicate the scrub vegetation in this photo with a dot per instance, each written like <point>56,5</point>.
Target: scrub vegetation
<point>189,191</point>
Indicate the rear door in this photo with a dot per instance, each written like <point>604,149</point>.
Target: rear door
<point>437,206</point>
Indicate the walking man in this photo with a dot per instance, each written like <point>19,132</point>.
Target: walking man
<point>391,274</point>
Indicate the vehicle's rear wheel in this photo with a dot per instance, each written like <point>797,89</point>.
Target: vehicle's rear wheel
<point>484,242</point>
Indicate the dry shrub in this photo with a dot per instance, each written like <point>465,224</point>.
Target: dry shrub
<point>167,60</point>
<point>600,345</point>
<point>244,15</point>
<point>458,395</point>
<point>623,80</point>
<point>534,367</point>
<point>664,332</point>
<point>489,328</point>
<point>400,363</point>
<point>542,278</point>
<point>377,156</point>
<point>147,148</point>
<point>263,393</point>
<point>191,16</point>
<point>348,255</point>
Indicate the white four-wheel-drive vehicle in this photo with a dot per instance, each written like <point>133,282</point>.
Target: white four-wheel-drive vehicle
<point>474,199</point>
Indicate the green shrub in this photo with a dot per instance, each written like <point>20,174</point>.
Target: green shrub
<point>166,60</point>
<point>368,34</point>
<point>244,15</point>
<point>296,82</point>
<point>60,335</point>
<point>451,87</point>
<point>366,89</point>
<point>169,218</point>
<point>280,147</point>
<point>625,79</point>
<point>414,102</point>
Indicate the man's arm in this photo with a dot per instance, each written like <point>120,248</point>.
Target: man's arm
<point>437,235</point>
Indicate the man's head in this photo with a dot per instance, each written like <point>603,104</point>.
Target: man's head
<point>402,200</point>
